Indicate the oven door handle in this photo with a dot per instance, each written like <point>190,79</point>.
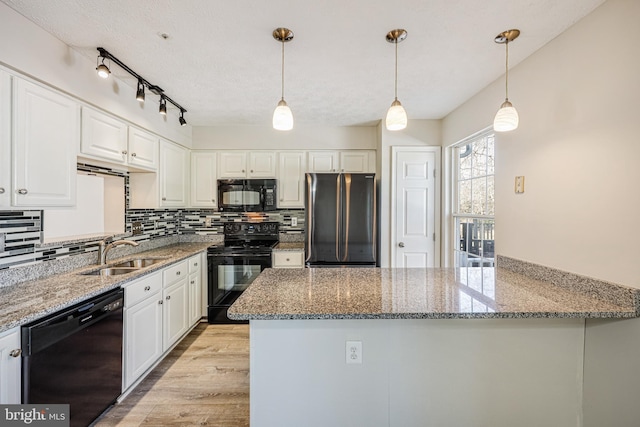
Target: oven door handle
<point>240,255</point>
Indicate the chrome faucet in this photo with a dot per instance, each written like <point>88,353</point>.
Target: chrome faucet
<point>104,247</point>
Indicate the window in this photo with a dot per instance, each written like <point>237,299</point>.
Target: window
<point>473,199</point>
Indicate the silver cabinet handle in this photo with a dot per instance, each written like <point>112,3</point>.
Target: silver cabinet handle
<point>160,302</point>
<point>15,353</point>
<point>22,191</point>
<point>124,152</point>
<point>401,244</point>
<point>1,190</point>
<point>193,281</point>
<point>147,288</point>
<point>133,154</point>
<point>168,297</point>
<point>177,273</point>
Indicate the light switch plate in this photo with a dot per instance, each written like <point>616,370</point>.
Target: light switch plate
<point>294,221</point>
<point>519,187</point>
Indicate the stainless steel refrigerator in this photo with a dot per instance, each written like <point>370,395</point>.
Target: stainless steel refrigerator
<point>341,221</point>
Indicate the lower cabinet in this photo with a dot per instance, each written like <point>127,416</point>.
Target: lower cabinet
<point>288,259</point>
<point>159,310</point>
<point>10,366</point>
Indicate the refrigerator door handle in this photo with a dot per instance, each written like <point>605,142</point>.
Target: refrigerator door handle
<point>310,218</point>
<point>347,215</point>
<point>338,216</point>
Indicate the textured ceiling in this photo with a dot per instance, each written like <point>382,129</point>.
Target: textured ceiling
<point>221,63</point>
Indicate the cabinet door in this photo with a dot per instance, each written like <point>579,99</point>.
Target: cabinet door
<point>288,259</point>
<point>173,175</point>
<point>291,170</point>
<point>176,312</point>
<point>45,146</point>
<point>5,139</point>
<point>195,295</point>
<point>357,161</point>
<point>103,136</point>
<point>232,164</point>
<point>142,337</point>
<point>262,165</point>
<point>10,367</point>
<point>143,149</point>
<point>204,186</point>
<point>323,161</point>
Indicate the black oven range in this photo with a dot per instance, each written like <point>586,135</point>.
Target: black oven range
<point>233,266</point>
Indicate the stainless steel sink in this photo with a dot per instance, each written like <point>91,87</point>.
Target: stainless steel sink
<point>111,271</point>
<point>139,262</point>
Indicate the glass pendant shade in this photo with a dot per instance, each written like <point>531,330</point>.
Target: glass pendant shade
<point>103,71</point>
<point>282,116</point>
<point>506,118</point>
<point>396,116</point>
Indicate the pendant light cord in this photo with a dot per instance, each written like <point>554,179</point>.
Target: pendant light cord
<point>396,79</point>
<point>506,74</point>
<point>283,68</point>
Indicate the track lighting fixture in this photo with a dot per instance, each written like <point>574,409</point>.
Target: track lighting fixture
<point>507,117</point>
<point>140,91</point>
<point>282,116</point>
<point>163,105</point>
<point>396,115</point>
<point>104,72</point>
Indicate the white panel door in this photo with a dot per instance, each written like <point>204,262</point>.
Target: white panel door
<point>176,313</point>
<point>10,363</point>
<point>5,139</point>
<point>143,149</point>
<point>232,164</point>
<point>323,161</point>
<point>355,161</point>
<point>291,180</point>
<point>204,184</point>
<point>173,175</point>
<point>415,209</point>
<point>262,165</point>
<point>45,146</point>
<point>103,136</point>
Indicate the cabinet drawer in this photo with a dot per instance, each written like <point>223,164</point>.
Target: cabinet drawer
<point>195,264</point>
<point>141,289</point>
<point>175,273</point>
<point>288,259</point>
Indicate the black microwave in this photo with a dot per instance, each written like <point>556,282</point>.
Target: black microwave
<point>247,195</point>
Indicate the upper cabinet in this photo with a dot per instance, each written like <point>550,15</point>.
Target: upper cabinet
<point>5,140</point>
<point>350,161</point>
<point>108,138</point>
<point>291,169</point>
<point>174,165</point>
<point>204,185</point>
<point>46,134</point>
<point>242,164</point>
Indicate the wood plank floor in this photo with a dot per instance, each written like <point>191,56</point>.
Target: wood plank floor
<point>204,381</point>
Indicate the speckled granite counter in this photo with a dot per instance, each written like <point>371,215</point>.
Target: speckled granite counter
<point>24,302</point>
<point>289,246</point>
<point>374,293</point>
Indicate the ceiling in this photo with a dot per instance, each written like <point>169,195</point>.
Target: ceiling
<point>221,63</point>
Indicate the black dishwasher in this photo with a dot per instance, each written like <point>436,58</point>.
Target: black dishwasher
<point>75,357</point>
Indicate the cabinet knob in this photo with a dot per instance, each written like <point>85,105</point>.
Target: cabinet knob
<point>177,273</point>
<point>287,259</point>
<point>401,244</point>
<point>193,281</point>
<point>195,264</point>
<point>242,170</point>
<point>164,198</point>
<point>160,302</point>
<point>251,171</point>
<point>133,154</point>
<point>168,297</point>
<point>15,353</point>
<point>22,191</point>
<point>147,288</point>
<point>124,152</point>
<point>1,190</point>
<point>213,200</point>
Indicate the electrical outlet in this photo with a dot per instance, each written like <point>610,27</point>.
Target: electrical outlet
<point>207,221</point>
<point>519,184</point>
<point>294,221</point>
<point>354,352</point>
<point>136,228</point>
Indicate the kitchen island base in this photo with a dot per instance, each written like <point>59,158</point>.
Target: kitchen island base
<point>422,372</point>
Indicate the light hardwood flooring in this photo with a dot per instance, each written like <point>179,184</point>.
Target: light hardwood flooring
<point>204,381</point>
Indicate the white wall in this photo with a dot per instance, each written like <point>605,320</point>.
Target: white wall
<point>28,49</point>
<point>418,133</point>
<point>299,138</point>
<point>577,146</point>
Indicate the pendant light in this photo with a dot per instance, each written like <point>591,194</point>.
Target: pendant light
<point>507,117</point>
<point>396,115</point>
<point>282,116</point>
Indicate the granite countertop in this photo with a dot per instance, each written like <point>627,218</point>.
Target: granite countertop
<point>27,301</point>
<point>433,293</point>
<point>289,246</point>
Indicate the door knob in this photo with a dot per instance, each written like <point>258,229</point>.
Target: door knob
<point>401,244</point>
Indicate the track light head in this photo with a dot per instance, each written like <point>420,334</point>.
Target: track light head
<point>182,121</point>
<point>140,91</point>
<point>163,106</point>
<point>103,70</point>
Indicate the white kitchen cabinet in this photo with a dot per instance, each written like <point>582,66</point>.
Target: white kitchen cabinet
<point>291,169</point>
<point>195,292</point>
<point>288,259</point>
<point>46,136</point>
<point>323,161</point>
<point>143,327</point>
<point>173,175</point>
<point>204,185</point>
<point>142,149</point>
<point>242,164</point>
<point>103,136</point>
<point>5,139</point>
<point>10,367</point>
<point>357,161</point>
<point>167,187</point>
<point>175,314</point>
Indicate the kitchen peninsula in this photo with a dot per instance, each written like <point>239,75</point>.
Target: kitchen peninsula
<point>437,347</point>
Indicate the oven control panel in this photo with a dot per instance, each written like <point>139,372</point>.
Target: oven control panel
<point>251,228</point>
